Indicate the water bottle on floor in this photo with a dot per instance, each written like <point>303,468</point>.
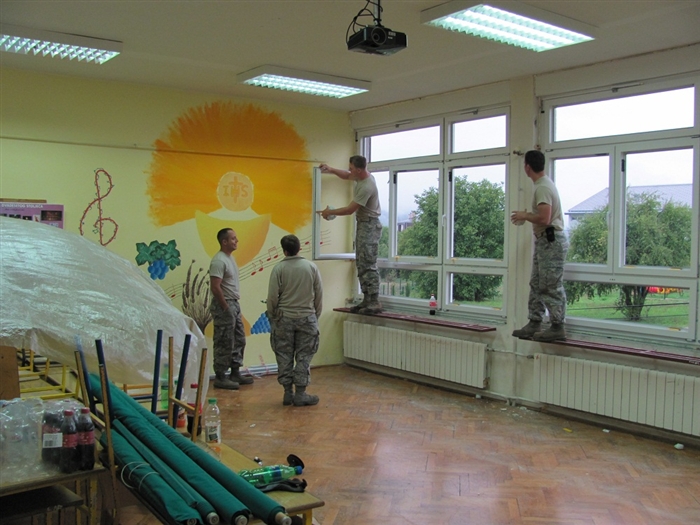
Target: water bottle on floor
<point>212,426</point>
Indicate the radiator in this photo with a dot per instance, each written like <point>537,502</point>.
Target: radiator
<point>455,360</point>
<point>650,397</point>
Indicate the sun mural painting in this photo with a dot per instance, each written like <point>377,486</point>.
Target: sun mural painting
<point>214,154</point>
<point>227,165</point>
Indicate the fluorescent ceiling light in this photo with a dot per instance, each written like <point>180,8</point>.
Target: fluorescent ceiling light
<point>22,40</point>
<point>510,23</point>
<point>303,82</point>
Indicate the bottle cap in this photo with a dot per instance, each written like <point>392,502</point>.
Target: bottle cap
<point>212,401</point>
<point>85,410</point>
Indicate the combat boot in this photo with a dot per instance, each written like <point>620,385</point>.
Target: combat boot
<point>529,330</point>
<point>302,399</point>
<point>224,382</point>
<point>373,305</point>
<point>288,398</point>
<point>356,308</point>
<point>238,378</point>
<point>553,333</point>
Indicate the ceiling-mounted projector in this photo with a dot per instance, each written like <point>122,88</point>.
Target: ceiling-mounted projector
<point>377,40</point>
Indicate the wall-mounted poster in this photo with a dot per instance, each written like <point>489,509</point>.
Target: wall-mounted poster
<point>51,214</point>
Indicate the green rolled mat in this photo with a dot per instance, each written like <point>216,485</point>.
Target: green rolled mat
<point>267,509</point>
<point>150,485</point>
<point>131,414</point>
<point>191,497</point>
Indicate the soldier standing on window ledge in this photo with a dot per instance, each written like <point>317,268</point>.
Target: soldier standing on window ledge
<point>365,206</point>
<point>547,278</point>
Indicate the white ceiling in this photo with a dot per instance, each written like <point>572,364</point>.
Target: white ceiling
<point>201,45</point>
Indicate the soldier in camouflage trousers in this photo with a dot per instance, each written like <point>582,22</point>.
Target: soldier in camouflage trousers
<point>367,210</point>
<point>547,278</point>
<point>229,334</point>
<point>294,304</point>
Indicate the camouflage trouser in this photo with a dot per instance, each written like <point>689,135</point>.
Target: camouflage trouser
<point>294,340</point>
<point>366,250</point>
<point>229,336</point>
<point>547,279</point>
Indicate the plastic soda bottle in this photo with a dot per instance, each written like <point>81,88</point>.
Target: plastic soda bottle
<point>51,438</point>
<point>212,426</point>
<point>69,450</point>
<point>432,303</point>
<point>262,476</point>
<point>86,440</point>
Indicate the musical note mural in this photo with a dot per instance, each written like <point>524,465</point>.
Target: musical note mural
<point>101,220</point>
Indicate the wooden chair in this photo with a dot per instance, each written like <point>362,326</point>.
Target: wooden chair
<point>175,401</point>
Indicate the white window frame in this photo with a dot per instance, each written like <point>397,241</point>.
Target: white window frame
<point>618,146</point>
<point>442,264</point>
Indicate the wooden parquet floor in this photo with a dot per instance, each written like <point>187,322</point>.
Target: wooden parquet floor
<point>380,450</point>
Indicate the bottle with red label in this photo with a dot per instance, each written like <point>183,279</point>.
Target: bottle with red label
<point>432,304</point>
<point>69,451</point>
<point>51,438</point>
<point>86,440</point>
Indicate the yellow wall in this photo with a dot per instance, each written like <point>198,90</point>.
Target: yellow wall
<point>63,138</point>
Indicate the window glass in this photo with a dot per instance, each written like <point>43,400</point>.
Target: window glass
<point>479,134</point>
<point>417,212</point>
<point>640,303</point>
<point>583,183</point>
<point>404,144</point>
<point>477,290</point>
<point>658,210</point>
<point>637,114</point>
<point>418,284</point>
<point>478,211</point>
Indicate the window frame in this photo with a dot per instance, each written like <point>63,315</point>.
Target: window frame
<point>444,163</point>
<point>615,271</point>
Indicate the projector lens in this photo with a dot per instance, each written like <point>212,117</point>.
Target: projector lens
<point>378,35</point>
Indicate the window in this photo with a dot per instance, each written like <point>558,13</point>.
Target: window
<point>403,144</point>
<point>444,212</point>
<point>625,115</point>
<point>626,168</point>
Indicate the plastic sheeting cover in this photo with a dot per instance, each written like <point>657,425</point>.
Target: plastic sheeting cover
<point>57,289</point>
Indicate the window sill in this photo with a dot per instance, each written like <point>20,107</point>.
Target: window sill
<point>638,352</point>
<point>432,321</point>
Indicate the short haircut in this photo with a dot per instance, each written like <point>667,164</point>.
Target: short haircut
<point>291,244</point>
<point>358,161</point>
<point>223,232</point>
<point>535,159</point>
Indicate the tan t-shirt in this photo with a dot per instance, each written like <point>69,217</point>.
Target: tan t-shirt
<point>367,196</point>
<point>546,193</point>
<point>225,268</point>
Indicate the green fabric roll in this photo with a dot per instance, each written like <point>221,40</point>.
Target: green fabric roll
<point>191,497</point>
<point>258,502</point>
<point>159,495</point>
<point>134,417</point>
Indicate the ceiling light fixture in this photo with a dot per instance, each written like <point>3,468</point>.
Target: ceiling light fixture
<point>26,41</point>
<point>510,23</point>
<point>303,82</point>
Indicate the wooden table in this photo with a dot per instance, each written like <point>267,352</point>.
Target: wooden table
<point>295,503</point>
<point>46,492</point>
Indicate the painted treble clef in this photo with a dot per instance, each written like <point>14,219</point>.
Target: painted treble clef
<point>98,224</point>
